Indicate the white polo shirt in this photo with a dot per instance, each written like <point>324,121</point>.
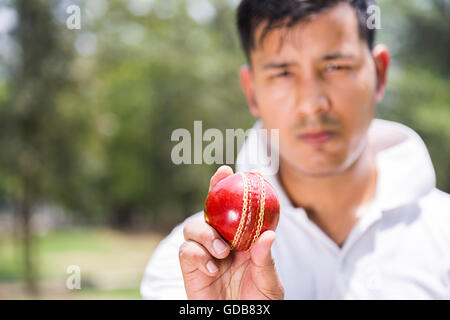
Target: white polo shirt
<point>399,249</point>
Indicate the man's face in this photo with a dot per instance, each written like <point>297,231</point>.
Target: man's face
<point>317,83</point>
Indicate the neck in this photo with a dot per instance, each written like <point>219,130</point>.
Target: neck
<point>332,201</point>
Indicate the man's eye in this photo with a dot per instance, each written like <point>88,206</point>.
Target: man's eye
<point>283,74</point>
<point>335,67</point>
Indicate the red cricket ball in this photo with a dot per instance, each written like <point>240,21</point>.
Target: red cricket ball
<point>241,207</point>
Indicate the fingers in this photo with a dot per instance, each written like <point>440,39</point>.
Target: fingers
<point>194,256</point>
<point>202,233</point>
<point>221,173</point>
<point>203,244</point>
<point>202,247</point>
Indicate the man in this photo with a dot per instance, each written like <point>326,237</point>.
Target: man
<point>360,216</point>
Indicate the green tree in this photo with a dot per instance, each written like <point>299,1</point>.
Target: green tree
<point>417,95</point>
<point>35,137</point>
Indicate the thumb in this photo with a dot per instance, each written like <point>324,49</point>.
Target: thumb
<point>260,253</point>
<point>263,269</point>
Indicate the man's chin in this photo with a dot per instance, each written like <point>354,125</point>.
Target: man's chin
<point>321,167</point>
<point>321,172</point>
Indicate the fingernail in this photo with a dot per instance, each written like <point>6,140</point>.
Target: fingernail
<point>211,266</point>
<point>219,246</point>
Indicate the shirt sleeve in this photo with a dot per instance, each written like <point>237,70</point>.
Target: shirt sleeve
<point>438,220</point>
<point>162,278</point>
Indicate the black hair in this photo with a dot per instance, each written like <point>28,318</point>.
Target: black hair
<point>287,13</point>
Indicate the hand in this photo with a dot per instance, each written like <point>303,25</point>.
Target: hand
<point>211,271</point>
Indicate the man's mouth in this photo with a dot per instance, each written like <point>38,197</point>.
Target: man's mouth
<point>318,138</point>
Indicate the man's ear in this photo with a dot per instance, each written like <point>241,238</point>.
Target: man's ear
<point>246,80</point>
<point>382,60</point>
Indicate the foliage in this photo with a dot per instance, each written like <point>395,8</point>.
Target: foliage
<point>100,116</point>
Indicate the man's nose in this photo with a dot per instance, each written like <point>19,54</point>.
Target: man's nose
<point>311,99</point>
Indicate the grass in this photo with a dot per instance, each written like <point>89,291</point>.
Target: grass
<point>111,264</point>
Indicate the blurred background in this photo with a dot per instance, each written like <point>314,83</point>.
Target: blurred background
<point>86,117</point>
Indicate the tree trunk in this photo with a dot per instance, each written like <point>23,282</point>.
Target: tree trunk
<point>29,270</point>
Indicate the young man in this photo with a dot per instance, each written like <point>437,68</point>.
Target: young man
<point>360,216</point>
